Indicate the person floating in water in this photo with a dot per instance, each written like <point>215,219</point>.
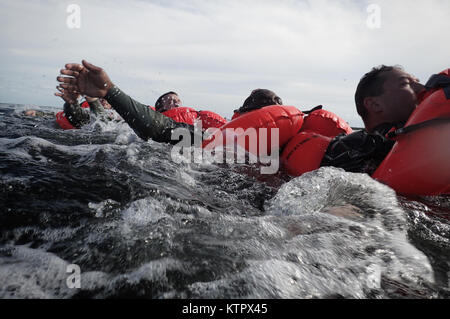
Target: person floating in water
<point>37,113</point>
<point>258,99</point>
<point>170,105</point>
<point>167,101</point>
<point>385,98</point>
<point>147,123</point>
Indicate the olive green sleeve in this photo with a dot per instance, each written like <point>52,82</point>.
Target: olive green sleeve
<point>147,123</point>
<point>76,115</point>
<point>96,107</point>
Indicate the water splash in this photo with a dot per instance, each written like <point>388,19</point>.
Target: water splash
<point>140,225</point>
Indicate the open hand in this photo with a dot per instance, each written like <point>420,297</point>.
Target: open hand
<point>86,79</point>
<point>67,95</point>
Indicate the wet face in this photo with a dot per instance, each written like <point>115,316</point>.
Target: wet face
<point>399,98</point>
<point>169,102</point>
<point>29,113</point>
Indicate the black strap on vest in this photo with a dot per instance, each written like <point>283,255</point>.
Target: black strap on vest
<point>319,107</point>
<point>415,127</point>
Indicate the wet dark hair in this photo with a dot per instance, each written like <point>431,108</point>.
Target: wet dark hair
<point>371,84</point>
<point>159,101</point>
<point>260,98</point>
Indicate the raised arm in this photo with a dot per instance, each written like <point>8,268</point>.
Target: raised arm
<point>91,80</point>
<point>95,105</point>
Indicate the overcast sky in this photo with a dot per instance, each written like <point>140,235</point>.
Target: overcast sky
<point>214,53</point>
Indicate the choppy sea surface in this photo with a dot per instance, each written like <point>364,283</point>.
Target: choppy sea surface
<point>139,225</point>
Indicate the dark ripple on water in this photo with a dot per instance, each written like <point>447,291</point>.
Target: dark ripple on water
<point>140,225</point>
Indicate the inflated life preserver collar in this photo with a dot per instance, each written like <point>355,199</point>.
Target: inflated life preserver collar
<point>306,150</point>
<point>439,81</point>
<point>188,115</point>
<point>287,119</point>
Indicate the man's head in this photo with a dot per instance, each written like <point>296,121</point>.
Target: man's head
<point>387,94</point>
<point>167,102</point>
<point>260,98</point>
<point>29,113</point>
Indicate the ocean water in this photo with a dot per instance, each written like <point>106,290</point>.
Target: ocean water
<point>139,225</point>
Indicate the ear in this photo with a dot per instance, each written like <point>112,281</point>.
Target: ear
<point>373,105</point>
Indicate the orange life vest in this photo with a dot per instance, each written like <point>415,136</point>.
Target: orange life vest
<point>189,115</point>
<point>305,150</point>
<point>287,119</point>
